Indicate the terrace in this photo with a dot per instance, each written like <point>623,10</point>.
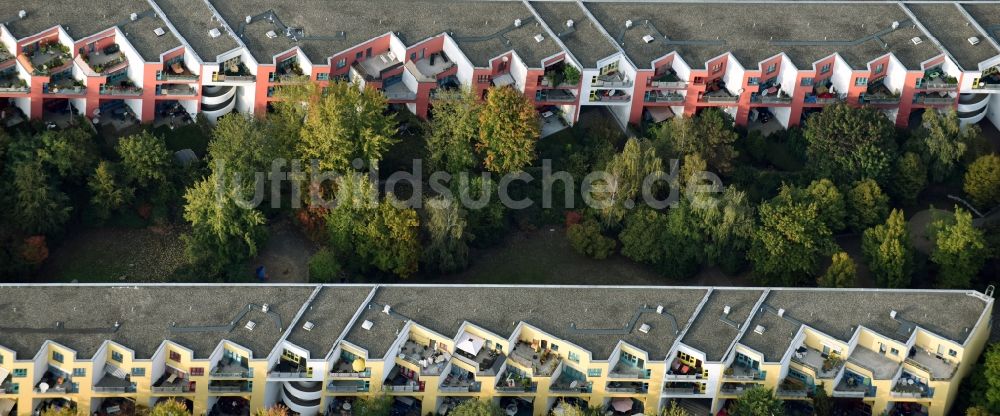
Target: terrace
<point>663,97</point>
<point>450,403</point>
<point>882,367</point>
<point>796,385</point>
<point>373,68</point>
<point>55,381</point>
<point>5,55</point>
<point>623,406</point>
<point>770,92</point>
<point>173,381</point>
<point>716,92</point>
<point>935,79</point>
<point>106,61</point>
<point>120,84</point>
<point>433,65</point>
<point>907,409</point>
<point>430,361</point>
<point>854,385</point>
<point>350,365</point>
<point>231,406</point>
<point>609,96</point>
<point>570,381</point>
<point>879,93</point>
<point>460,381</point>
<point>515,406</point>
<point>63,83</point>
<point>933,98</point>
<point>347,386</point>
<point>115,406</point>
<point>175,70</point>
<point>823,93</point>
<point>514,380</point>
<point>743,368</point>
<point>289,365</point>
<point>228,386</point>
<point>55,405</point>
<point>233,70</point>
<point>114,380</point>
<point>683,387</point>
<point>541,362</point>
<point>287,70</point>
<point>233,366</point>
<point>562,404</point>
<point>398,91</point>
<point>555,95</point>
<point>937,367</point>
<point>613,79</point>
<point>340,406</point>
<point>627,369</point>
<point>990,80</point>
<point>176,90</point>
<point>680,370</point>
<point>666,78</point>
<point>10,82</point>
<point>627,387</point>
<point>560,75</point>
<point>911,387</point>
<point>826,365</point>
<point>487,360</point>
<point>401,379</point>
<point>49,57</point>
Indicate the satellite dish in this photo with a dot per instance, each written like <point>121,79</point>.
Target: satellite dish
<point>43,387</point>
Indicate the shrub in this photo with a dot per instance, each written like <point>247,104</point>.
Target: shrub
<point>982,181</point>
<point>324,266</point>
<point>586,238</point>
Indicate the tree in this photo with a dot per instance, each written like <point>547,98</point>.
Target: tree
<point>982,181</point>
<point>71,152</point>
<point>60,411</point>
<point>945,141</point>
<point>586,239</point>
<point>37,206</point>
<point>866,205</point>
<point>372,234</point>
<point>276,410</point>
<point>849,144</point>
<point>841,273</point>
<point>508,130</point>
<point>324,266</point>
<point>908,178</point>
<point>709,135</point>
<point>453,132</point>
<point>346,123</point>
<point>621,188</point>
<point>244,145</point>
<point>828,199</point>
<point>822,403</point>
<point>224,233</point>
<point>790,241</point>
<point>758,401</point>
<point>673,409</point>
<point>476,407</point>
<point>446,250</point>
<point>668,240</point>
<point>145,159</point>
<point>486,222</point>
<point>107,194</point>
<point>169,407</point>
<point>886,248</point>
<point>991,370</point>
<point>372,406</point>
<point>726,226</point>
<point>960,251</point>
<point>977,411</point>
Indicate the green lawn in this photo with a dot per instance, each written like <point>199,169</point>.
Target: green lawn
<point>190,136</point>
<point>114,255</point>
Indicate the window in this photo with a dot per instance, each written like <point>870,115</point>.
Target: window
<point>341,63</point>
<point>879,68</point>
<point>753,81</point>
<point>138,372</point>
<point>358,55</point>
<point>593,372</point>
<point>894,351</point>
<point>79,372</point>
<point>323,76</point>
<point>953,353</point>
<point>483,79</point>
<point>807,82</point>
<point>57,357</point>
<point>20,372</point>
<point>413,56</point>
<point>716,68</point>
<point>175,356</point>
<point>574,357</point>
<point>117,356</point>
<point>771,68</point>
<point>860,81</point>
<point>555,347</point>
<point>197,371</point>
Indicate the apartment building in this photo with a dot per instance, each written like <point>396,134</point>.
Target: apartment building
<point>224,350</point>
<point>155,60</point>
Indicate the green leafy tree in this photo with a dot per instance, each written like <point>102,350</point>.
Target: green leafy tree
<point>169,407</point>
<point>446,250</point>
<point>960,251</point>
<point>37,206</point>
<point>710,135</point>
<point>586,238</point>
<point>726,224</point>
<point>454,131</point>
<point>508,130</point>
<point>866,205</point>
<point>977,411</point>
<point>945,142</point>
<point>621,188</point>
<point>669,240</point>
<point>324,267</point>
<point>107,194</point>
<point>982,181</point>
<point>908,178</point>
<point>758,401</point>
<point>822,402</point>
<point>674,409</point>
<point>71,152</point>
<point>244,145</point>
<point>886,248</point>
<point>477,408</point>
<point>841,273</point>
<point>990,398</point>
<point>486,221</point>
<point>146,161</point>
<point>849,144</point>
<point>346,123</point>
<point>790,242</point>
<point>224,232</point>
<point>276,410</point>
<point>61,411</point>
<point>828,199</point>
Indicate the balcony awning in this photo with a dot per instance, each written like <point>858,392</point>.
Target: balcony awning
<point>503,80</point>
<point>658,114</point>
<point>3,374</point>
<point>6,405</point>
<point>470,343</point>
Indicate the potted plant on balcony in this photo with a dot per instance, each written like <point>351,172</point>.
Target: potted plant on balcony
<point>571,75</point>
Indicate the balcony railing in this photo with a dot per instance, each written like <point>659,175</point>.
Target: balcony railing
<point>667,98</point>
<point>288,374</point>
<point>121,91</point>
<point>880,99</point>
<point>519,388</point>
<point>177,91</point>
<point>719,99</point>
<point>935,100</point>
<point>404,389</point>
<point>116,389</point>
<point>459,389</point>
<point>625,390</point>
<point>611,98</point>
<point>336,388</point>
<point>172,389</point>
<point>398,95</point>
<point>24,89</point>
<point>233,374</point>
<point>66,90</point>
<point>638,374</point>
<point>681,390</point>
<point>62,390</point>
<point>668,84</point>
<point>228,389</point>
<point>783,392</point>
<point>363,374</point>
<point>771,99</point>
<point>217,77</point>
<point>165,76</point>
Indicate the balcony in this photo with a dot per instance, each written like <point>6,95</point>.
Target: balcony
<point>936,80</point>
<point>513,381</point>
<point>719,97</point>
<point>990,80</point>
<point>5,56</point>
<point>430,67</point>
<point>487,361</point>
<point>794,388</point>
<point>182,90</point>
<point>398,91</point>
<point>344,368</point>
<point>881,367</point>
<point>609,96</point>
<point>228,387</point>
<point>555,96</point>
<point>373,68</point>
<point>10,82</point>
<point>121,89</point>
<point>233,71</point>
<point>431,362</point>
<point>933,99</point>
<point>741,372</point>
<point>626,387</point>
<point>853,385</point>
<point>114,380</point>
<point>826,366</point>
<point>541,362</point>
<point>734,388</point>
<point>660,97</point>
<point>287,71</point>
<point>627,369</point>
<point>175,71</point>
<point>172,383</point>
<point>878,94</point>
<point>560,75</point>
<point>667,80</point>
<point>106,62</point>
<point>570,381</point>
<point>937,367</point>
<point>402,380</point>
<point>910,386</point>
<point>614,79</point>
<point>55,381</point>
<point>229,367</point>
<point>780,98</point>
<point>460,381</point>
<point>339,386</point>
<point>49,58</point>
<point>683,388</point>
